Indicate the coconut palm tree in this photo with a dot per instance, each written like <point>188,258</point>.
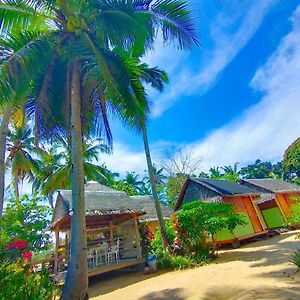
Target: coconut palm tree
<point>231,173</point>
<point>215,173</point>
<point>9,113</point>
<point>74,41</point>
<point>20,160</point>
<point>3,134</point>
<point>59,156</point>
<point>133,179</point>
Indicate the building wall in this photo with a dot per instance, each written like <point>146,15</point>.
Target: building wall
<point>196,191</point>
<point>242,205</point>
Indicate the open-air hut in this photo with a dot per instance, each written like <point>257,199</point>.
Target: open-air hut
<point>242,197</point>
<point>112,218</point>
<point>278,199</point>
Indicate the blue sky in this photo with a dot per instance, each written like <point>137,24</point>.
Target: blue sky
<point>233,99</point>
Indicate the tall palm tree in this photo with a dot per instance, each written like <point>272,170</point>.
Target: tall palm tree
<point>60,176</point>
<point>3,134</point>
<point>48,161</point>
<point>215,173</point>
<point>20,160</point>
<point>74,41</point>
<point>133,179</point>
<point>231,173</point>
<point>10,112</point>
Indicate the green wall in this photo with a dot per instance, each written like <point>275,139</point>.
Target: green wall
<point>273,217</point>
<point>239,231</point>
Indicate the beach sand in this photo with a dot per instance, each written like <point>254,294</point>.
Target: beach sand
<point>257,270</point>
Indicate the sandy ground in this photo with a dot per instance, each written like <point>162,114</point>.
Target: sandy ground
<point>259,270</point>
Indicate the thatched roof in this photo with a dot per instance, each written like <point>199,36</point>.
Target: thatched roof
<point>146,203</point>
<point>101,200</point>
<point>269,185</point>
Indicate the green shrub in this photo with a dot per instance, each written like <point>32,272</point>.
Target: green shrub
<point>296,258</point>
<point>200,221</point>
<point>25,219</point>
<point>17,282</point>
<point>194,228</point>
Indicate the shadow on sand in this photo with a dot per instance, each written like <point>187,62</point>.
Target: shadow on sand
<point>108,282</point>
<point>260,293</point>
<point>272,251</point>
<point>174,294</point>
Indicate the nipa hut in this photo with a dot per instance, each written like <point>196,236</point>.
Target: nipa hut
<point>278,199</point>
<point>112,220</point>
<point>242,197</point>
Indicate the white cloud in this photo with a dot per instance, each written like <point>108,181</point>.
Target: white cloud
<point>228,40</point>
<point>262,131</point>
<point>124,159</point>
<point>267,128</point>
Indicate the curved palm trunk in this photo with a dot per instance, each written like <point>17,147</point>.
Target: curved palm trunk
<point>76,283</point>
<point>16,187</point>
<point>154,190</point>
<point>3,134</point>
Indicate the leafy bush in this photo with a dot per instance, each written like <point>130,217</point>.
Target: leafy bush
<point>296,258</point>
<point>17,282</point>
<point>191,232</point>
<point>198,221</point>
<point>22,228</point>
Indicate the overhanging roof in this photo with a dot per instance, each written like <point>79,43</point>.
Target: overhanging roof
<point>217,188</point>
<point>268,185</point>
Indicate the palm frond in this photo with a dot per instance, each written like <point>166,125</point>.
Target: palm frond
<point>17,15</point>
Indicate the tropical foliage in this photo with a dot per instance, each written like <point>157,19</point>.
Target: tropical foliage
<point>191,233</point>
<point>17,282</point>
<point>79,58</point>
<point>24,219</point>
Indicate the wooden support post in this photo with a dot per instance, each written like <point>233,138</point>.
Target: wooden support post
<point>137,237</point>
<point>259,214</point>
<point>67,247</point>
<point>111,232</point>
<point>56,249</point>
<point>280,209</point>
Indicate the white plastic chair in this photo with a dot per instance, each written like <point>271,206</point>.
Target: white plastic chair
<point>91,258</point>
<point>102,254</point>
<point>114,251</point>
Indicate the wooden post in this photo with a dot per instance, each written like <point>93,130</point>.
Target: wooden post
<point>56,250</point>
<point>137,237</point>
<point>111,232</point>
<point>260,217</point>
<point>280,209</point>
<point>67,247</point>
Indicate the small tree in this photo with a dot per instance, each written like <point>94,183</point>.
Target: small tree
<point>24,220</point>
<point>199,220</point>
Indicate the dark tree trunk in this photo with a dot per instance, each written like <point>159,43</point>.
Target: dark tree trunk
<point>76,283</point>
<point>3,134</point>
<point>154,190</point>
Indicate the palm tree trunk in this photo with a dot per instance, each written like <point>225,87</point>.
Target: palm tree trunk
<point>3,134</point>
<point>76,283</point>
<point>16,187</point>
<point>154,190</point>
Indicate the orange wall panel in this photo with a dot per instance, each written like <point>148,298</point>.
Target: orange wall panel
<point>284,204</point>
<point>252,214</point>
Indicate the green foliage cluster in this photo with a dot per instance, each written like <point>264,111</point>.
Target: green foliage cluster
<point>25,219</point>
<point>197,216</point>
<point>167,258</point>
<point>296,258</point>
<point>291,159</point>
<point>173,187</point>
<point>195,226</point>
<point>17,282</point>
<point>122,185</point>
<point>199,222</point>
